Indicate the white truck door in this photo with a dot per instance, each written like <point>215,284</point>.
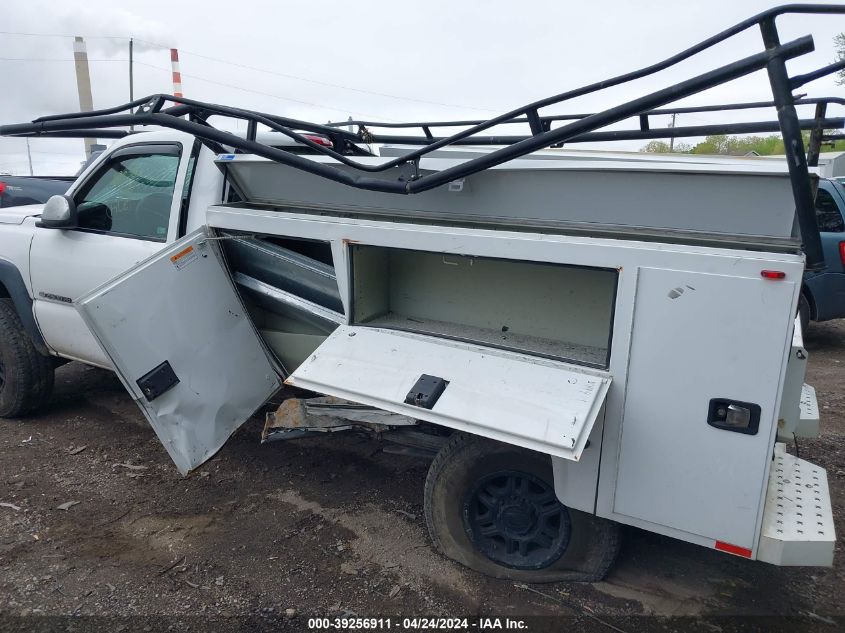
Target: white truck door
<point>184,347</point>
<point>128,210</point>
<point>544,405</point>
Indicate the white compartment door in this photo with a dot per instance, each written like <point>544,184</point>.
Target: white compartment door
<point>700,338</point>
<point>184,347</point>
<point>539,404</point>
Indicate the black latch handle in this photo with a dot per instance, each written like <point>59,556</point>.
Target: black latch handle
<point>426,391</point>
<point>157,381</point>
<point>733,415</point>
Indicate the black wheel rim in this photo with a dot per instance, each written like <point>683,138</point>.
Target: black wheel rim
<point>515,520</point>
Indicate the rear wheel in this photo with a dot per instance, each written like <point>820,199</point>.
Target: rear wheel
<point>492,507</point>
<point>26,377</point>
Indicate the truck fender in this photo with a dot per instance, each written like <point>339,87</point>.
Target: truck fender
<point>807,291</point>
<point>12,280</point>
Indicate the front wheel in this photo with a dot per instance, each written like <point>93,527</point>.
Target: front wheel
<point>26,377</point>
<point>492,507</point>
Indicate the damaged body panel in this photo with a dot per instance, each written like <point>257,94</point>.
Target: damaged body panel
<point>183,346</point>
<point>297,416</point>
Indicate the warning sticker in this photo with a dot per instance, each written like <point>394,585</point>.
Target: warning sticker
<point>184,257</point>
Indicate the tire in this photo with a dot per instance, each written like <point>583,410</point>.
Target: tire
<point>804,312</point>
<point>570,545</point>
<point>26,377</point>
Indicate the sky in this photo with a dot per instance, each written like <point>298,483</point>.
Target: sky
<point>324,60</point>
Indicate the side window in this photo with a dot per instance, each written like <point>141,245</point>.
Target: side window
<point>828,216</point>
<point>132,196</point>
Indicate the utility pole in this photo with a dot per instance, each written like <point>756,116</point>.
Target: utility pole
<point>29,156</point>
<point>672,138</point>
<point>131,80</point>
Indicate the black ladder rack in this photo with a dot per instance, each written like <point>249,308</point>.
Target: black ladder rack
<point>192,116</point>
<point>819,121</point>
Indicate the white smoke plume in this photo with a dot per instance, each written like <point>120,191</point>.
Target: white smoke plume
<point>108,31</point>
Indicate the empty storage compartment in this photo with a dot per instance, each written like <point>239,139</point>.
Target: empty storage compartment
<point>552,310</point>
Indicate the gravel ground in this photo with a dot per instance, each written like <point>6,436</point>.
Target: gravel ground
<point>101,527</point>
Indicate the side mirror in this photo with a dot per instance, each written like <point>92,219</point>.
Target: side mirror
<point>59,213</point>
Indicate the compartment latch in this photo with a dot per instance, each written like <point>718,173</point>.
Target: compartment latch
<point>426,391</point>
<point>157,381</point>
<point>733,415</point>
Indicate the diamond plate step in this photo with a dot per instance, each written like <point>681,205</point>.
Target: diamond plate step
<point>798,518</point>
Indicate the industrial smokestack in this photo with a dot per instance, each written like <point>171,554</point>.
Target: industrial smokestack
<point>177,75</point>
<point>83,85</point>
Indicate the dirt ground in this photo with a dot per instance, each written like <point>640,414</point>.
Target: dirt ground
<point>326,527</point>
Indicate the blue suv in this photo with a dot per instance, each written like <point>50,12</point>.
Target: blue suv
<point>823,293</point>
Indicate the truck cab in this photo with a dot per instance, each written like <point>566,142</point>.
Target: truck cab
<point>142,194</point>
<point>128,205</point>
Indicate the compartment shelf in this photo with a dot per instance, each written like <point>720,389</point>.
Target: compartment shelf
<point>586,354</point>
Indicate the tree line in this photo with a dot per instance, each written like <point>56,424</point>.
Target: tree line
<point>742,145</point>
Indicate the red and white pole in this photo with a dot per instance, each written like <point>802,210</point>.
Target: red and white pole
<point>177,75</point>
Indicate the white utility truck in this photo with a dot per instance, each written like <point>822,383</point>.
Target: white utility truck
<point>583,339</point>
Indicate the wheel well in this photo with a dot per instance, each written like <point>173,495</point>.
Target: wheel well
<point>12,287</point>
<point>809,296</point>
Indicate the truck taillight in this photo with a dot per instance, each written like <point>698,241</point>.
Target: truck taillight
<point>841,249</point>
<point>3,188</point>
<point>319,140</point>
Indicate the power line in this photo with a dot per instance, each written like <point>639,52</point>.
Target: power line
<point>91,37</point>
<point>54,59</point>
<point>265,94</point>
<point>258,92</point>
<point>199,78</point>
<point>272,72</point>
<point>340,86</point>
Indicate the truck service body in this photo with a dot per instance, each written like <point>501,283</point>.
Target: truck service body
<point>586,340</point>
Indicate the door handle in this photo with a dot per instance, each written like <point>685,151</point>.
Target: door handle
<point>733,415</point>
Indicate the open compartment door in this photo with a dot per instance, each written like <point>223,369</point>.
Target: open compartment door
<point>540,404</point>
<point>184,347</point>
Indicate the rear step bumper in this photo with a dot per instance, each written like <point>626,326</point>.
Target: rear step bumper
<point>808,422</point>
<point>798,517</point>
